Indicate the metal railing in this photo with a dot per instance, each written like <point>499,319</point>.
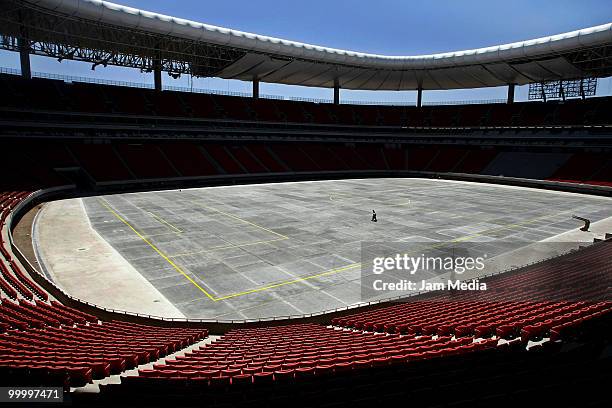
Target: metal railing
<point>100,81</point>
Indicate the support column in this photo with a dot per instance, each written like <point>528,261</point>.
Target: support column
<point>255,88</point>
<point>582,89</point>
<point>23,43</point>
<point>419,97</point>
<point>510,93</point>
<point>24,57</point>
<point>336,92</point>
<point>157,78</point>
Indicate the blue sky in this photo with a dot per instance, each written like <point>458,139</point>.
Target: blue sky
<point>398,27</point>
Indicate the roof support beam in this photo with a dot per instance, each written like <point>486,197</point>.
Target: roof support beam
<point>24,58</point>
<point>336,92</point>
<point>511,88</point>
<point>24,45</point>
<point>419,97</point>
<point>255,88</point>
<point>115,35</point>
<point>157,78</point>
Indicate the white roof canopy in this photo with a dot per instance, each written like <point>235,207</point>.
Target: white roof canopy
<point>282,61</point>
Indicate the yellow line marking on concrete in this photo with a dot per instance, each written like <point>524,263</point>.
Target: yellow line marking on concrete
<point>160,219</point>
<point>161,234</point>
<point>507,226</point>
<point>292,281</point>
<point>303,278</point>
<point>356,265</point>
<point>159,252</point>
<point>242,220</point>
<point>485,232</point>
<point>249,243</point>
<point>230,246</point>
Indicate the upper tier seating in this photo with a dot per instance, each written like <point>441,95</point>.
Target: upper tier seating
<point>82,97</point>
<point>109,162</point>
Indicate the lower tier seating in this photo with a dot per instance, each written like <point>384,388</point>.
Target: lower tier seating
<point>545,300</point>
<point>48,343</point>
<point>269,354</point>
<point>500,377</point>
<point>531,303</point>
<point>101,163</point>
<point>61,346</point>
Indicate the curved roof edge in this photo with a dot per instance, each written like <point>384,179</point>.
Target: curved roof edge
<point>111,13</point>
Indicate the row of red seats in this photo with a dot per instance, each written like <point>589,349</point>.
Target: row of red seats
<point>214,159</point>
<point>528,303</point>
<point>108,163</point>
<point>124,161</point>
<point>44,338</point>
<point>13,281</point>
<point>260,355</point>
<point>146,161</point>
<point>7,289</point>
<point>57,95</point>
<point>589,168</point>
<point>592,182</point>
<point>64,346</point>
<point>416,330</point>
<point>55,311</point>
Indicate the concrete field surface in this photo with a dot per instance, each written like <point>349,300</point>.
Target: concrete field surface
<point>272,250</point>
<point>83,264</point>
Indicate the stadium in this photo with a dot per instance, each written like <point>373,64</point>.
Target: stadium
<point>164,246</point>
